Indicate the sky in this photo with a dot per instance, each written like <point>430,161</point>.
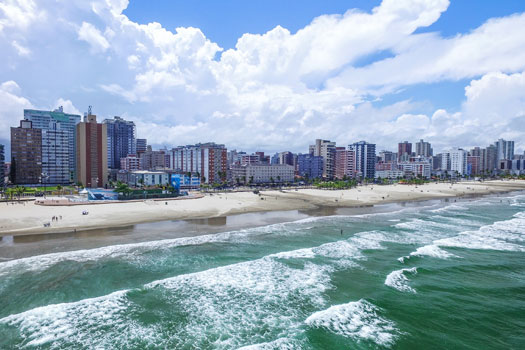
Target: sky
<point>273,75</point>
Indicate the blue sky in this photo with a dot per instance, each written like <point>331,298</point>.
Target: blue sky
<point>273,75</point>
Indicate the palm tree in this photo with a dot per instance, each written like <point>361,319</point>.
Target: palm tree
<point>20,191</point>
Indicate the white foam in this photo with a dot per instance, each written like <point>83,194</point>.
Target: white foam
<point>451,207</point>
<point>356,320</point>
<point>471,240</point>
<point>434,251</point>
<point>398,280</point>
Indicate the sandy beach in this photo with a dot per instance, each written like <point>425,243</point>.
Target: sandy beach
<point>28,218</point>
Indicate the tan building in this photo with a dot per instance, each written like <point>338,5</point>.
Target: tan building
<point>325,149</point>
<point>92,150</point>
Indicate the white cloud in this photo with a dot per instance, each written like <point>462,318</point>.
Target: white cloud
<point>276,90</point>
<point>11,107</point>
<point>93,37</point>
<point>67,105</point>
<point>22,51</point>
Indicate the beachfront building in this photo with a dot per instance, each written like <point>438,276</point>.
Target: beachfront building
<point>518,166</point>
<point>473,165</point>
<point>148,178</point>
<point>286,158</point>
<point>26,154</point>
<point>56,167</point>
<point>454,161</point>
<point>130,163</point>
<point>154,160</point>
<point>141,146</point>
<point>57,120</point>
<point>365,158</point>
<point>325,149</point>
<point>2,167</point>
<point>209,160</point>
<point>504,150</point>
<point>420,168</point>
<point>404,151</point>
<point>310,166</point>
<point>389,174</point>
<point>424,149</point>
<point>92,153</point>
<point>263,173</point>
<point>344,163</point>
<point>121,140</point>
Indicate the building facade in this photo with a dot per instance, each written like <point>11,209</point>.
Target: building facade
<point>263,173</point>
<point>26,154</point>
<point>2,167</point>
<point>130,163</point>
<point>404,151</point>
<point>154,160</point>
<point>310,166</point>
<point>344,163</point>
<point>424,149</point>
<point>209,160</point>
<point>92,153</point>
<point>504,150</point>
<point>416,169</point>
<point>121,140</point>
<point>365,158</point>
<point>325,149</point>
<point>56,167</point>
<point>58,120</point>
<point>454,161</point>
<point>141,146</point>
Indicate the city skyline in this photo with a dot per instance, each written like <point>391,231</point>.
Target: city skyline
<point>289,82</point>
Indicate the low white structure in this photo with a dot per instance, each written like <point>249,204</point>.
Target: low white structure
<point>263,173</point>
<point>148,178</point>
<point>389,174</point>
<point>416,169</point>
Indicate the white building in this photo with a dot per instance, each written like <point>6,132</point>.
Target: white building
<point>389,174</point>
<point>148,178</point>
<point>417,169</point>
<point>263,173</point>
<point>454,160</point>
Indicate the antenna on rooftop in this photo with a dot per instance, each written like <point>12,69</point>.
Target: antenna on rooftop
<point>90,108</point>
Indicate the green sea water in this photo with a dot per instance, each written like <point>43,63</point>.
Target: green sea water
<point>434,276</point>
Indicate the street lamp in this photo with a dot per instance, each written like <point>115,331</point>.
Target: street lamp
<point>42,182</point>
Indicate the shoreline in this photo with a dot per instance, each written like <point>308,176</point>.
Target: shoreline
<point>28,218</point>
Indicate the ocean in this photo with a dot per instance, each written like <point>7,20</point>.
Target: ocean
<point>429,275</point>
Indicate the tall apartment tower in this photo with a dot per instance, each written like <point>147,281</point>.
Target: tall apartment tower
<point>61,138</point>
<point>121,140</point>
<point>92,152</point>
<point>325,149</point>
<point>210,160</point>
<point>142,146</point>
<point>455,160</point>
<point>344,162</point>
<point>504,149</point>
<point>365,158</point>
<point>2,167</point>
<point>404,151</point>
<point>26,154</point>
<point>423,149</point>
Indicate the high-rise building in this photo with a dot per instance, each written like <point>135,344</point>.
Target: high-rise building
<point>310,166</point>
<point>2,167</point>
<point>344,162</point>
<point>65,122</point>
<point>26,154</point>
<point>365,158</point>
<point>404,151</point>
<point>286,158</point>
<point>92,152</point>
<point>504,149</point>
<point>325,149</point>
<point>209,160</point>
<point>121,140</point>
<point>263,173</point>
<point>56,168</point>
<point>455,161</point>
<point>473,165</point>
<point>153,160</point>
<point>130,163</point>
<point>142,146</point>
<point>423,149</point>
<point>388,156</point>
